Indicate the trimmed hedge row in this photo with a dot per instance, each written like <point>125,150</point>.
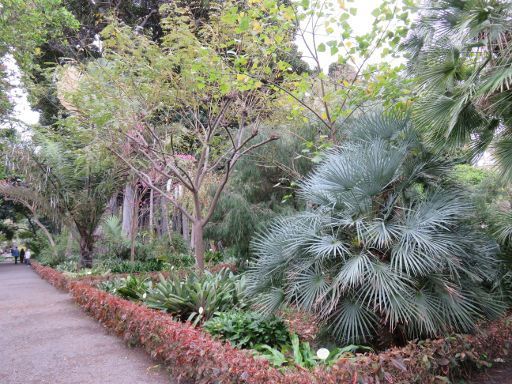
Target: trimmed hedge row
<point>194,356</point>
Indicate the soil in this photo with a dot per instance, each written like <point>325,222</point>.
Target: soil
<point>499,374</point>
<point>46,339</point>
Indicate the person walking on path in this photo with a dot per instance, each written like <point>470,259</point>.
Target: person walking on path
<point>15,253</point>
<point>27,257</point>
<point>22,255</point>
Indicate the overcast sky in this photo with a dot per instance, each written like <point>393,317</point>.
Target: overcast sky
<point>361,23</point>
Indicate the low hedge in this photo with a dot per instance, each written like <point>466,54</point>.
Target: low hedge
<point>195,357</point>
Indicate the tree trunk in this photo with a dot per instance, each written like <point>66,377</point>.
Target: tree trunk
<point>47,234</point>
<point>135,225</point>
<point>86,250</point>
<point>185,228</point>
<point>112,206</point>
<point>128,203</point>
<point>166,227</point>
<point>151,213</point>
<point>69,245</point>
<point>198,245</point>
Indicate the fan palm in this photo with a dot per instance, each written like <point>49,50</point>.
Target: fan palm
<point>461,55</point>
<point>384,247</point>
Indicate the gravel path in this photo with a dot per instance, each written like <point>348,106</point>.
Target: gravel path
<point>46,339</point>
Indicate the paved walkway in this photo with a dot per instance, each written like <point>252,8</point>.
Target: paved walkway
<point>46,339</point>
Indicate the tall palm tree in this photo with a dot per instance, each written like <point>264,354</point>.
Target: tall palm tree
<point>461,55</point>
<point>67,180</point>
<point>384,248</point>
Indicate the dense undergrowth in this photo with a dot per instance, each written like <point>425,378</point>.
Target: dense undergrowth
<point>194,355</point>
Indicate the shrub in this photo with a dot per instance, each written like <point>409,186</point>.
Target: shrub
<point>213,257</point>
<point>301,354</point>
<point>248,329</point>
<point>132,288</point>
<point>135,267</point>
<point>161,248</point>
<point>193,355</point>
<point>197,296</point>
<point>385,253</point>
<point>113,243</point>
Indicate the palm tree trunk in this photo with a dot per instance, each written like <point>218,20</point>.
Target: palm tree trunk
<point>69,245</point>
<point>86,251</point>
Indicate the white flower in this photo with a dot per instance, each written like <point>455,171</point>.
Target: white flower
<point>322,353</point>
<point>201,310</point>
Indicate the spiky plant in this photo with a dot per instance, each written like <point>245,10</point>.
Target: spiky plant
<point>384,248</point>
<point>461,56</point>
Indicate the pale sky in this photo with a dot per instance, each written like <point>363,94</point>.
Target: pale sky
<point>361,23</point>
<point>18,95</point>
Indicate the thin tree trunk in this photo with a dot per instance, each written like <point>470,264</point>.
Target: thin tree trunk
<point>197,234</point>
<point>166,227</point>
<point>198,245</point>
<point>135,225</point>
<point>128,206</point>
<point>47,234</point>
<point>185,228</point>
<point>151,213</point>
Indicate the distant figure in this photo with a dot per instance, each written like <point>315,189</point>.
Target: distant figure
<point>22,255</point>
<point>15,253</point>
<point>27,257</point>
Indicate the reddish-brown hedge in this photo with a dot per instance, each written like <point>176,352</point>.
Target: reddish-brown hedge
<point>194,356</point>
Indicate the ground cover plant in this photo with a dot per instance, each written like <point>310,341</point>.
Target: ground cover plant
<point>194,355</point>
<point>248,329</point>
<point>384,254</point>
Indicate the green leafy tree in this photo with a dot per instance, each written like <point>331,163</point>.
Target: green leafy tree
<point>25,27</point>
<point>363,72</point>
<point>384,249</point>
<point>182,113</point>
<point>67,181</point>
<point>461,57</point>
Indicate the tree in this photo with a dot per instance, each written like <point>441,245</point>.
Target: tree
<point>182,113</point>
<point>32,201</point>
<point>25,27</point>
<point>65,180</point>
<point>384,248</point>
<point>363,74</point>
<point>460,55</point>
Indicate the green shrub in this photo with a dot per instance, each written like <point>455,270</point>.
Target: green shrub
<point>113,243</point>
<point>49,258</point>
<point>70,265</point>
<point>110,286</point>
<point>136,266</point>
<point>133,288</point>
<point>301,354</point>
<point>385,247</point>
<point>197,297</point>
<point>248,329</point>
<point>213,257</point>
<point>161,248</point>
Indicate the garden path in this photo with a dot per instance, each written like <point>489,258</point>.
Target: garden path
<point>46,338</point>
